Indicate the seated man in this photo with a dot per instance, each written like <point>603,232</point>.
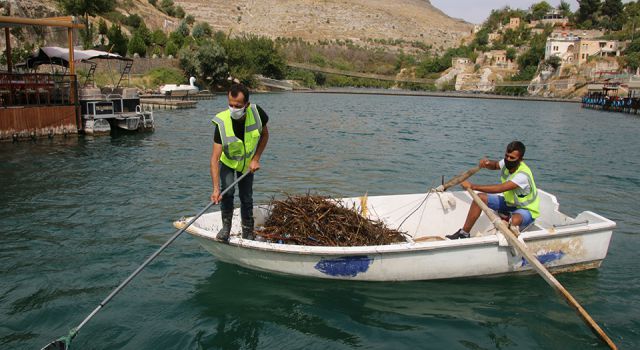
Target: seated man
<point>519,197</point>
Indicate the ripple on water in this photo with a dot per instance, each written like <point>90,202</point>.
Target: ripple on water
<point>79,214</point>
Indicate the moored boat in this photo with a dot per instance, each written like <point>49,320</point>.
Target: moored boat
<point>560,242</point>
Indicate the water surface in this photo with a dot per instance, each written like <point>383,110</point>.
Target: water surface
<point>80,214</point>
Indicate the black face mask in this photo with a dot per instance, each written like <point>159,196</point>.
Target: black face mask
<point>511,164</point>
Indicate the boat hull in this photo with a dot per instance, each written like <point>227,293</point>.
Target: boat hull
<point>571,247</point>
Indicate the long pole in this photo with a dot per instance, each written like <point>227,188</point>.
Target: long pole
<point>124,283</point>
<point>541,270</point>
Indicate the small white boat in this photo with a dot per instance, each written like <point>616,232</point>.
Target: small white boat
<point>560,242</point>
<point>191,88</point>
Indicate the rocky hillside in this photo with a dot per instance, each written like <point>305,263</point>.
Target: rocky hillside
<point>361,21</point>
<point>311,20</point>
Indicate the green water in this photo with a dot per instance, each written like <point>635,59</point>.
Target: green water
<point>78,215</point>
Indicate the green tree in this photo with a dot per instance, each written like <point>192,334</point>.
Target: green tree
<point>167,7</point>
<point>179,12</point>
<point>201,30</point>
<point>177,38</point>
<point>172,48</point>
<point>211,62</point>
<point>102,27</point>
<point>612,10</point>
<point>540,9</point>
<point>565,8</point>
<point>511,53</point>
<point>183,29</point>
<point>137,45</point>
<point>134,21</point>
<point>118,39</point>
<point>554,62</point>
<point>158,37</point>
<point>86,8</point>
<point>587,14</point>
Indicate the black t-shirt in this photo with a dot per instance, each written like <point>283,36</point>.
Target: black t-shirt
<point>238,126</point>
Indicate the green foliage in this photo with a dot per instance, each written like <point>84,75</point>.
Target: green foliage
<point>632,60</point>
<point>87,35</point>
<point>554,62</point>
<point>208,62</point>
<point>201,30</point>
<point>158,37</point>
<point>172,48</point>
<point>86,7</point>
<point>511,53</point>
<point>587,14</point>
<point>190,19</point>
<point>134,21</point>
<point>183,29</point>
<point>177,38</point>
<point>144,33</point>
<point>179,12</point>
<point>102,26</point>
<point>502,16</point>
<point>18,54</point>
<point>118,39</point>
<point>153,2</point>
<point>540,9</point>
<point>612,12</point>
<point>137,45</point>
<point>303,77</point>
<point>565,9</point>
<point>482,37</point>
<point>164,75</point>
<point>167,6</point>
<point>254,55</point>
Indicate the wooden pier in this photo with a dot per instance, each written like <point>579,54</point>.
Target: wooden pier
<point>162,103</point>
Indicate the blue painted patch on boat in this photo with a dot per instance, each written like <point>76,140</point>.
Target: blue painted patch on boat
<point>344,266</point>
<point>545,258</point>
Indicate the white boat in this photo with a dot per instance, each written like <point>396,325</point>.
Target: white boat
<point>560,242</point>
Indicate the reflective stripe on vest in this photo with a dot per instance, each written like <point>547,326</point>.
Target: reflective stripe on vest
<point>237,154</point>
<point>529,201</point>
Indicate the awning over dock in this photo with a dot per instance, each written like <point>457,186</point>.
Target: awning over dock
<point>60,56</point>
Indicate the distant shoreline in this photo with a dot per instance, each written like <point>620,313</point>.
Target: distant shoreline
<point>393,92</point>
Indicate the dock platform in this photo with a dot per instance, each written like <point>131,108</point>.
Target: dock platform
<point>162,103</point>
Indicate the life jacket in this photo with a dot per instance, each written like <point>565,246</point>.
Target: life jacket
<point>515,197</point>
<point>237,154</point>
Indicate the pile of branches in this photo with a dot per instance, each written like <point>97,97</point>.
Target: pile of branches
<point>322,221</point>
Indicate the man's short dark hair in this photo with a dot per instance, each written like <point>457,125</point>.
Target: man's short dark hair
<point>516,146</point>
<point>239,88</point>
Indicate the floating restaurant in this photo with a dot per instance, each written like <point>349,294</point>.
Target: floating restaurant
<point>605,97</point>
<point>34,104</point>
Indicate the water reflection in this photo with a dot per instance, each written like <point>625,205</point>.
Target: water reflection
<point>489,312</point>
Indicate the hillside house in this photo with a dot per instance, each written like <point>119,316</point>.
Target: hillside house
<point>565,47</point>
<point>603,48</point>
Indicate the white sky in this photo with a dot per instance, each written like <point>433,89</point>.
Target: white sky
<point>476,11</point>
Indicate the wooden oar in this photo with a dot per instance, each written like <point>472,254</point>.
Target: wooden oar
<point>458,179</point>
<point>540,269</point>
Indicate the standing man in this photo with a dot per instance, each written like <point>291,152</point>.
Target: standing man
<point>240,137</point>
<point>519,197</point>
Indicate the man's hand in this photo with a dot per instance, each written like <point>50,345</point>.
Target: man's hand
<point>484,163</point>
<point>254,165</point>
<point>215,196</point>
<point>466,184</point>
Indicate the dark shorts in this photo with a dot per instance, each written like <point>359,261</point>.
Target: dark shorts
<point>498,204</point>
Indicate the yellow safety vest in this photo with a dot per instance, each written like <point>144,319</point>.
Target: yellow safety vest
<point>237,154</point>
<point>530,201</point>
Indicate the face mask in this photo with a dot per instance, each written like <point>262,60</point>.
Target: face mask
<point>511,164</point>
<point>237,113</point>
